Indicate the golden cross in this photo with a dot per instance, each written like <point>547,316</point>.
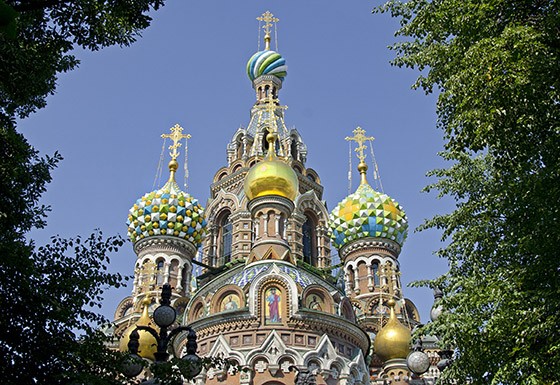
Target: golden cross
<point>147,276</point>
<point>271,108</point>
<point>268,19</point>
<point>360,138</point>
<point>176,136</point>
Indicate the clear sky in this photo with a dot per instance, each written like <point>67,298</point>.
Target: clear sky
<point>107,116</point>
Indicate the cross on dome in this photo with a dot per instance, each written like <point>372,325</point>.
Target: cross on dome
<point>271,108</point>
<point>360,138</point>
<point>269,21</point>
<point>176,136</point>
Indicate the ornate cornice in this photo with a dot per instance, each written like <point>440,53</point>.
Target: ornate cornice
<point>373,245</point>
<point>239,214</point>
<point>166,244</point>
<point>271,200</point>
<point>229,180</point>
<point>331,324</point>
<point>322,323</point>
<point>220,323</point>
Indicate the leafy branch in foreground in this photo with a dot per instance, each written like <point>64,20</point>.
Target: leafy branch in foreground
<point>36,38</point>
<point>496,67</point>
<point>50,327</point>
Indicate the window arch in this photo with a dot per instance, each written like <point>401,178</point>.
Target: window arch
<point>239,146</point>
<point>294,148</point>
<point>225,238</point>
<point>159,271</point>
<point>309,239</point>
<point>375,268</point>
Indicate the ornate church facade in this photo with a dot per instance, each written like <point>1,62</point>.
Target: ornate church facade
<point>260,253</point>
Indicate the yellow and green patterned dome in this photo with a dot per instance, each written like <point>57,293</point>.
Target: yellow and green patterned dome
<point>167,211</point>
<point>367,213</point>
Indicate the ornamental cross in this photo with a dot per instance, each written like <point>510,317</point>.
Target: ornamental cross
<point>360,138</point>
<point>147,274</point>
<point>268,19</point>
<point>176,136</point>
<point>271,108</point>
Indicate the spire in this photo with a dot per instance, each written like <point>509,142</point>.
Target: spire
<point>360,138</point>
<point>268,19</point>
<point>176,136</point>
<point>270,107</point>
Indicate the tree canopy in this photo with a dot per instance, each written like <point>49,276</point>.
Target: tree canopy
<point>496,68</point>
<point>49,295</point>
<point>37,37</point>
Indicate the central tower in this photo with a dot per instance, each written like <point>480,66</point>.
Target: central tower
<point>266,298</point>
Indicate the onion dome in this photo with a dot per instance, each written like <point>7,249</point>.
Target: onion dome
<point>167,211</point>
<point>271,176</point>
<point>393,340</point>
<point>367,213</point>
<point>148,343</point>
<point>267,63</point>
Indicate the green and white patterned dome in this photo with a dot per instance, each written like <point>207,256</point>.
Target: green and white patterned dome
<point>167,211</point>
<point>367,213</point>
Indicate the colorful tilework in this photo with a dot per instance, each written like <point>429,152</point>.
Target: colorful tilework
<point>367,213</point>
<point>167,211</point>
<point>249,274</point>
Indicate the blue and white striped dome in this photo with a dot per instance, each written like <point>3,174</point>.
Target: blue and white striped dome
<point>267,63</point>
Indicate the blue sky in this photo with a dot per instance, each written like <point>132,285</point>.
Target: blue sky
<point>107,116</point>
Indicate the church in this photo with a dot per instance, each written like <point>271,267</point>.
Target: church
<point>253,272</point>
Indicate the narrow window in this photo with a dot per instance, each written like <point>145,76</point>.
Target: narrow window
<point>376,274</point>
<point>294,148</point>
<point>309,241</point>
<point>226,229</point>
<point>159,273</point>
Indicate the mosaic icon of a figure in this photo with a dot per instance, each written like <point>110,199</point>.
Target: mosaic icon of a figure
<point>314,304</point>
<point>230,303</point>
<point>273,299</point>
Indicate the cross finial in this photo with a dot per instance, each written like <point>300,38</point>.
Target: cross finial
<point>271,108</point>
<point>268,19</point>
<point>147,274</point>
<point>176,136</point>
<point>360,138</point>
<point>270,121</point>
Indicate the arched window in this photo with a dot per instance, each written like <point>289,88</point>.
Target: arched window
<point>309,239</point>
<point>375,268</point>
<point>159,272</point>
<point>294,148</point>
<point>239,146</point>
<point>225,238</point>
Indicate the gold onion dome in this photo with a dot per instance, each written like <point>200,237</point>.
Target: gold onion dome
<point>148,343</point>
<point>271,176</point>
<point>367,213</point>
<point>393,340</point>
<point>167,211</point>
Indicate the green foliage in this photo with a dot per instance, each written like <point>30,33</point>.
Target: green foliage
<point>48,295</point>
<point>36,37</point>
<point>496,66</point>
